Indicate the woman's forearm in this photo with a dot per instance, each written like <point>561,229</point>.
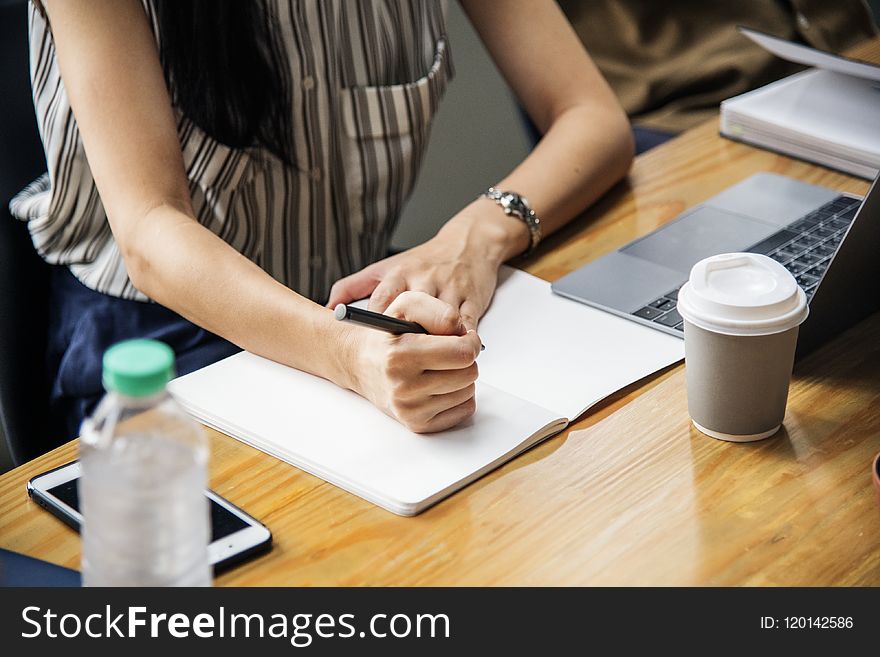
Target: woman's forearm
<point>586,150</point>
<point>426,382</point>
<point>587,144</point>
<point>183,266</point>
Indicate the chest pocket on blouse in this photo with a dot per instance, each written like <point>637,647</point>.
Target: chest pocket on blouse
<point>386,132</point>
<point>215,171</point>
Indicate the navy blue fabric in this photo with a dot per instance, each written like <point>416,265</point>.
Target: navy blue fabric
<point>84,323</point>
<point>648,138</point>
<point>18,570</point>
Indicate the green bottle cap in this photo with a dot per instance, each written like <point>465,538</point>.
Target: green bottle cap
<point>138,368</point>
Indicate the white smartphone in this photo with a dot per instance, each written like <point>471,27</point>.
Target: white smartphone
<point>235,535</point>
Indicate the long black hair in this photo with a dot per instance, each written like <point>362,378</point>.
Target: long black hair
<point>225,68</point>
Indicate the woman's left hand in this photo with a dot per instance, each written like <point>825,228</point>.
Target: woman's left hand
<point>459,265</point>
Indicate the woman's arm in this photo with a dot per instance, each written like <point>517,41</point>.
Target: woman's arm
<point>586,148</point>
<point>112,75</point>
<point>587,144</point>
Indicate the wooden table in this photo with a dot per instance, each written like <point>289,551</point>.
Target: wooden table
<point>631,494</point>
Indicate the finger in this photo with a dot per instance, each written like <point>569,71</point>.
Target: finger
<point>351,288</point>
<point>438,317</point>
<point>391,286</point>
<point>439,382</point>
<point>427,286</point>
<point>451,417</point>
<point>436,404</point>
<point>438,352</point>
<point>418,414</point>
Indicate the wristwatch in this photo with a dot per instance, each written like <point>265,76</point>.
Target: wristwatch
<point>518,206</point>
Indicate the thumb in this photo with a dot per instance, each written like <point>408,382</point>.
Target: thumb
<point>357,286</point>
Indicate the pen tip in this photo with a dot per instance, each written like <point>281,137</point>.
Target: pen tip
<point>340,311</point>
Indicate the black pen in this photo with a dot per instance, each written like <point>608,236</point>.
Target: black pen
<point>344,312</point>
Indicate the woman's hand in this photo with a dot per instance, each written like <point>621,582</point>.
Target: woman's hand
<point>426,382</point>
<point>459,265</point>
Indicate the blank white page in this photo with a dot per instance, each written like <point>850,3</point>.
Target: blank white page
<point>342,438</point>
<point>561,354</point>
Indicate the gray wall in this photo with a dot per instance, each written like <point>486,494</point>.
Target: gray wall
<point>476,139</point>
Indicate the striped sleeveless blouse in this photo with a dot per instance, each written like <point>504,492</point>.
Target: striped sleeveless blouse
<point>365,78</point>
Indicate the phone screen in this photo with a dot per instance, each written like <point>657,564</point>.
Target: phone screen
<point>223,523</point>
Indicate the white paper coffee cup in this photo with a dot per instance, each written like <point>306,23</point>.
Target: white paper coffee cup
<point>741,316</point>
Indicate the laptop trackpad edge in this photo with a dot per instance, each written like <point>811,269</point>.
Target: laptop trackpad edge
<point>703,232</point>
<point>618,282</point>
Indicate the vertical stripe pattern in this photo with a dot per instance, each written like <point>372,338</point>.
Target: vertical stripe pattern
<point>365,78</point>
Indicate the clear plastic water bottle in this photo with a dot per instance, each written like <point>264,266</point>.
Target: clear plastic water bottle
<point>144,472</point>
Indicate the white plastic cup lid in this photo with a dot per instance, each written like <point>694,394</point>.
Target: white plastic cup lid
<point>742,294</point>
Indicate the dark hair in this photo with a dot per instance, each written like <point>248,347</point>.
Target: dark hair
<point>224,65</point>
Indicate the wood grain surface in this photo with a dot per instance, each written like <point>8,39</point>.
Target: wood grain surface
<point>630,494</point>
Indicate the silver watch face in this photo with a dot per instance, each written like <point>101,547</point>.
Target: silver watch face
<point>514,203</point>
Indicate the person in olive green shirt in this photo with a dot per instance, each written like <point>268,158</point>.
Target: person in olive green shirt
<point>671,63</point>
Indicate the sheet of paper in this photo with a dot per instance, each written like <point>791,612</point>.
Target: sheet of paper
<point>801,54</point>
<point>561,354</point>
<point>342,438</point>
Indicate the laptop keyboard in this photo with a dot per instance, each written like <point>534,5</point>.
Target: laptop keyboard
<point>804,248</point>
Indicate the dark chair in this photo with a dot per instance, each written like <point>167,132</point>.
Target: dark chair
<point>24,276</point>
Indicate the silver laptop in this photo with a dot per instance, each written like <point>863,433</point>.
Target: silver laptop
<point>829,241</point>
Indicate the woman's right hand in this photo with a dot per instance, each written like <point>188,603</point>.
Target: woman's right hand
<point>426,382</point>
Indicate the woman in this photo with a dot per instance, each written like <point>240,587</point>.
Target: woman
<point>243,163</point>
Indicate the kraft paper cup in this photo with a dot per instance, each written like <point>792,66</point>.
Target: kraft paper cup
<point>741,316</point>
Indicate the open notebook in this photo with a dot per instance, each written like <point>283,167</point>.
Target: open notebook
<point>547,360</point>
